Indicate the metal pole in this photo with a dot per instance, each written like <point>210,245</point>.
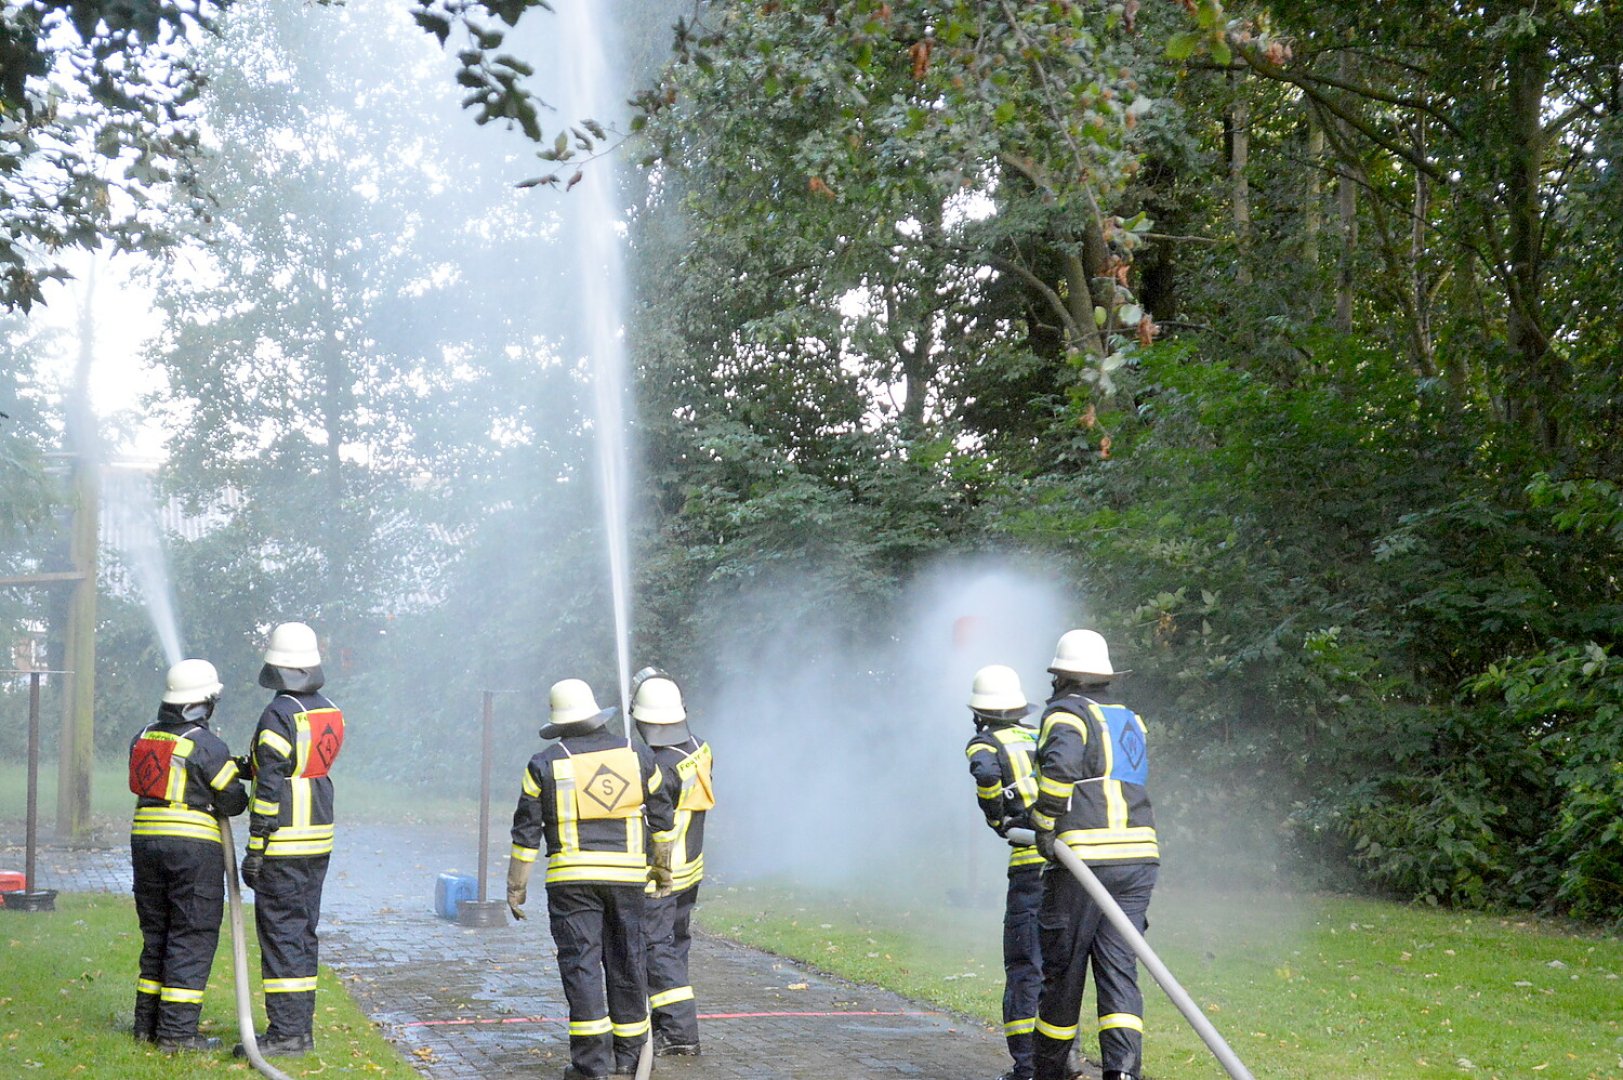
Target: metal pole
<point>33,779</point>
<point>489,740</point>
<point>1118,918</point>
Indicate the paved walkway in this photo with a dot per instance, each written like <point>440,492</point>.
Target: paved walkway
<point>465,1004</point>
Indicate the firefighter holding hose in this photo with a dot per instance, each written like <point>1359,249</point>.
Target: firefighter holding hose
<point>590,799</point>
<point>1001,759</point>
<point>1092,796</point>
<point>182,775</point>
<point>656,706</point>
<point>290,834</point>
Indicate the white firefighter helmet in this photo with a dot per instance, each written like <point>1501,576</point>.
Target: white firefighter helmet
<point>996,689</point>
<point>1082,654</point>
<point>658,701</point>
<point>572,702</point>
<point>190,682</point>
<point>293,645</point>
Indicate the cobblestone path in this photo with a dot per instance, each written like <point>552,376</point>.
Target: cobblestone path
<point>486,1004</point>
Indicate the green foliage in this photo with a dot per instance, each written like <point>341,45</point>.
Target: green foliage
<point>97,98</point>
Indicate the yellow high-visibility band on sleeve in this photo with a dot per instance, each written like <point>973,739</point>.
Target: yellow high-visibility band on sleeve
<point>276,742</point>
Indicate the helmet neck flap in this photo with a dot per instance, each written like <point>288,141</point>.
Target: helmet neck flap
<point>292,680</point>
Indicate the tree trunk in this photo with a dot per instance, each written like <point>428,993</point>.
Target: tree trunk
<point>1237,121</point>
<point>1536,388</point>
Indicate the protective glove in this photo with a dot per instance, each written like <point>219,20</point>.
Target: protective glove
<point>518,886</point>
<point>1045,844</point>
<point>245,764</point>
<point>659,867</point>
<point>252,864</point>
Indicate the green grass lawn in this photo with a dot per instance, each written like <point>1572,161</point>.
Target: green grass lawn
<point>1310,988</point>
<point>67,988</point>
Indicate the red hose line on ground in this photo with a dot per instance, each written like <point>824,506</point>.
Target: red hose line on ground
<point>702,1016</point>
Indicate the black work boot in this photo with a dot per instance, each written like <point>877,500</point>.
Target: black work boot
<point>1117,1074</point>
<point>145,1027</point>
<point>572,1073</point>
<point>1015,1074</point>
<point>279,1046</point>
<point>665,1046</point>
<point>200,1043</point>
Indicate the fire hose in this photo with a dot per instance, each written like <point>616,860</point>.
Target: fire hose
<point>1124,926</point>
<point>239,961</point>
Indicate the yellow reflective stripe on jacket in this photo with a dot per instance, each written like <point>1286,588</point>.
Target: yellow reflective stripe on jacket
<point>525,854</point>
<point>611,866</point>
<point>1055,788</point>
<point>1060,717</point>
<point>1115,803</point>
<point>228,772</point>
<point>300,840</point>
<point>1025,856</point>
<point>268,809</point>
<point>269,738</point>
<point>181,821</point>
<point>1103,845</point>
<point>530,787</point>
<point>1020,747</point>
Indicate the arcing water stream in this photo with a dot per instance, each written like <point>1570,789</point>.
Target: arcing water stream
<point>599,259</point>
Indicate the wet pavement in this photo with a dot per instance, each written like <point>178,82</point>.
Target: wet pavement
<point>486,1004</point>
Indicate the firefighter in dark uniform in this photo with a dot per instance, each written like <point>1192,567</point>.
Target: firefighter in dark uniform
<point>591,798</point>
<point>1001,759</point>
<point>182,775</point>
<point>290,835</point>
<point>684,760</point>
<point>1093,768</point>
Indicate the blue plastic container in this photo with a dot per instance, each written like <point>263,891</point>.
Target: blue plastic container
<point>451,889</point>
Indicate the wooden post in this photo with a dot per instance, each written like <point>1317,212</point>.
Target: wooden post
<point>76,753</point>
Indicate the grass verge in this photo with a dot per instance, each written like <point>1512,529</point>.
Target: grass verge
<point>1307,988</point>
<point>69,987</point>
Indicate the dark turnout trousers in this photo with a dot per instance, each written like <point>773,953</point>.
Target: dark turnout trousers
<point>287,908</point>
<point>598,928</point>
<point>1022,964</point>
<point>1074,933</point>
<point>670,995</point>
<point>179,899</point>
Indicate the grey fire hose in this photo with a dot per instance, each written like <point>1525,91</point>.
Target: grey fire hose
<point>239,961</point>
<point>645,1060</point>
<point>1118,918</point>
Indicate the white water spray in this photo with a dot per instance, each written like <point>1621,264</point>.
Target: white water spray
<point>590,89</point>
<point>130,518</point>
<point>131,521</point>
